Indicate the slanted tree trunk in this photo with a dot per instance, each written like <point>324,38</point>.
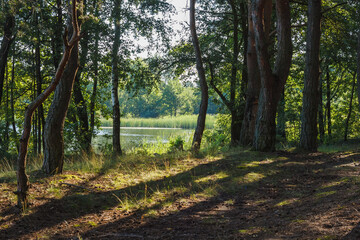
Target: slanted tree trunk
<point>115,80</point>
<point>84,136</point>
<point>350,109</point>
<point>12,100</point>
<point>308,135</point>
<point>272,83</point>
<point>8,38</point>
<point>54,124</point>
<point>22,178</point>
<point>202,80</point>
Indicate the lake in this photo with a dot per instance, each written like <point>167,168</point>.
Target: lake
<point>134,136</point>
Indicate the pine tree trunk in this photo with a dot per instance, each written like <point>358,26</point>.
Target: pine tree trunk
<point>202,80</point>
<point>56,42</point>
<point>281,120</point>
<point>350,109</point>
<point>321,113</point>
<point>328,103</point>
<point>308,135</point>
<point>54,124</point>
<point>115,80</point>
<point>96,72</point>
<point>5,47</point>
<point>84,136</point>
<point>272,84</point>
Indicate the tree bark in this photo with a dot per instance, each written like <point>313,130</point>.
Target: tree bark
<point>253,87</point>
<point>8,38</point>
<point>12,100</point>
<point>350,109</point>
<point>54,124</point>
<point>308,135</point>
<point>22,178</point>
<point>272,84</point>
<point>115,80</point>
<point>202,80</point>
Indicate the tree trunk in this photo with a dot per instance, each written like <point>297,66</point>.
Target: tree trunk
<point>115,80</point>
<point>54,125</point>
<point>358,69</point>
<point>350,109</point>
<point>245,30</point>
<point>272,84</point>
<point>96,72</point>
<point>8,38</point>
<point>308,135</point>
<point>56,40</point>
<point>321,113</point>
<point>40,113</point>
<point>281,119</point>
<point>22,178</point>
<point>12,100</point>
<point>202,79</point>
<point>84,136</point>
<point>328,103</point>
<point>253,87</point>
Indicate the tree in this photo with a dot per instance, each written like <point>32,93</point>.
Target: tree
<point>308,135</point>
<point>202,80</point>
<point>54,124</point>
<point>272,83</point>
<point>22,178</point>
<point>115,79</point>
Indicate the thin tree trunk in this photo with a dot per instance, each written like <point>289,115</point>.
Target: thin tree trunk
<point>321,113</point>
<point>115,80</point>
<point>8,38</point>
<point>7,124</point>
<point>84,135</point>
<point>328,103</point>
<point>358,70</point>
<point>12,100</point>
<point>202,79</point>
<point>54,124</point>
<point>245,33</point>
<point>56,40</point>
<point>96,73</point>
<point>22,178</point>
<point>308,135</point>
<point>272,84</point>
<point>281,120</point>
<point>350,109</point>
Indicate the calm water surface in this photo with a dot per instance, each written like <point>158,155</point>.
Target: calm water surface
<point>132,137</point>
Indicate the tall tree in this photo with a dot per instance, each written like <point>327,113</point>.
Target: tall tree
<point>308,135</point>
<point>54,124</point>
<point>22,178</point>
<point>8,38</point>
<point>115,78</point>
<point>272,83</point>
<point>202,80</point>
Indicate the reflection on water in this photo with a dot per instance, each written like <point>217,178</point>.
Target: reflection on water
<point>132,137</point>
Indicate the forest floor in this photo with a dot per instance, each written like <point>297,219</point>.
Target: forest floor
<point>238,195</point>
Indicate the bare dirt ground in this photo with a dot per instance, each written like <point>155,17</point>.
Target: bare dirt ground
<point>237,196</point>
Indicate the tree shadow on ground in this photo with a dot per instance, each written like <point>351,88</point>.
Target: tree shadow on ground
<point>244,195</point>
